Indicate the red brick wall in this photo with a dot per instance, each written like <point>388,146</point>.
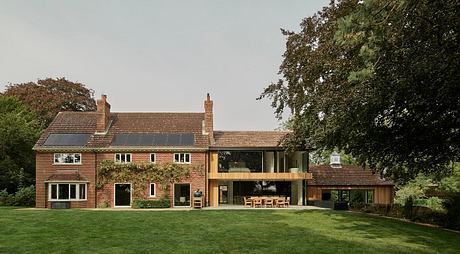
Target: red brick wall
<point>106,194</point>
<point>45,168</point>
<point>95,198</point>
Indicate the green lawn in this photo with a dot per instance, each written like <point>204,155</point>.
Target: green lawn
<point>211,231</point>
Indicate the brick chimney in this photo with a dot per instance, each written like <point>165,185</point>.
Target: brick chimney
<point>103,115</point>
<point>209,119</point>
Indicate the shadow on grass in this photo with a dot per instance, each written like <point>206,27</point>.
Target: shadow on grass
<point>395,235</point>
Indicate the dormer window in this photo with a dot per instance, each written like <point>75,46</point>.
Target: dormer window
<point>335,160</point>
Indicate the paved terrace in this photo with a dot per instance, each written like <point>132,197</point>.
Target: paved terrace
<point>222,207</point>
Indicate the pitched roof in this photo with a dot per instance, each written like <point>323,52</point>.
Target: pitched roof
<point>346,175</point>
<point>241,139</point>
<point>126,123</point>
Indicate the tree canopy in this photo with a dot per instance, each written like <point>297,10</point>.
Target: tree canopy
<point>19,130</point>
<point>47,97</point>
<point>378,80</point>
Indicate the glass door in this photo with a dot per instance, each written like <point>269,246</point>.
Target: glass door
<point>223,194</point>
<point>123,195</point>
<point>182,194</point>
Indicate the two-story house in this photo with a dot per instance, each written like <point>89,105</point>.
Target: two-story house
<point>235,164</point>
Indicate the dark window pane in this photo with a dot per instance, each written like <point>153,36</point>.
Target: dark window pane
<point>77,157</point>
<point>53,191</point>
<point>152,189</point>
<point>187,157</point>
<point>357,196</point>
<point>326,195</point>
<point>73,191</point>
<point>152,157</point>
<point>63,191</point>
<point>240,161</point>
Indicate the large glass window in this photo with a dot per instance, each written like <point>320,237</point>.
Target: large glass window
<point>67,191</point>
<point>240,161</point>
<point>67,158</point>
<point>352,196</point>
<point>259,188</point>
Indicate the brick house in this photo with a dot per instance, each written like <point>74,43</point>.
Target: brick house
<point>235,163</point>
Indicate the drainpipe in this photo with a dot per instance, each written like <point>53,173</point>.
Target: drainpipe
<point>304,183</point>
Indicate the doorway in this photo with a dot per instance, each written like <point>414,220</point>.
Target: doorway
<point>182,194</point>
<point>223,194</point>
<point>122,195</point>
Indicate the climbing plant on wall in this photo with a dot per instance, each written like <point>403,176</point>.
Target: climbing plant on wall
<point>140,175</point>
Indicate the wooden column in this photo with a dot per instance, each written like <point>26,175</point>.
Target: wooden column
<point>213,193</point>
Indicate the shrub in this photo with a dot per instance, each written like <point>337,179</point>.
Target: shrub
<point>408,206</point>
<point>25,196</point>
<point>5,198</point>
<point>104,204</point>
<point>429,216</point>
<point>452,206</point>
<point>357,206</point>
<point>162,203</point>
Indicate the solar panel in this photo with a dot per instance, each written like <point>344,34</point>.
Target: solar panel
<point>188,139</point>
<point>160,140</point>
<point>173,140</point>
<point>154,139</point>
<point>67,139</point>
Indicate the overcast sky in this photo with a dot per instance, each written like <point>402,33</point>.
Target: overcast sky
<point>155,55</point>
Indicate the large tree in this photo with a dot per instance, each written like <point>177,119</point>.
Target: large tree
<point>19,130</point>
<point>377,79</point>
<point>49,96</point>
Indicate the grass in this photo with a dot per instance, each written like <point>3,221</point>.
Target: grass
<point>215,231</point>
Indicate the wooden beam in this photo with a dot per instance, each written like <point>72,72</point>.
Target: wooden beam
<point>260,176</point>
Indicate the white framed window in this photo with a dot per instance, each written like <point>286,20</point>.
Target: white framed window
<point>153,158</point>
<point>122,158</point>
<point>67,191</point>
<point>153,190</point>
<point>182,158</point>
<point>67,158</point>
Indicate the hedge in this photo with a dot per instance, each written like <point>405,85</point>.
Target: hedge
<point>163,203</point>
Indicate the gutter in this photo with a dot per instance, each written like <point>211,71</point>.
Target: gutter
<point>115,149</point>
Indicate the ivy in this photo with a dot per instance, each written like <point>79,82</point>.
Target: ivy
<point>139,175</point>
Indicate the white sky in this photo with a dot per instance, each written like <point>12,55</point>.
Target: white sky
<point>155,55</point>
